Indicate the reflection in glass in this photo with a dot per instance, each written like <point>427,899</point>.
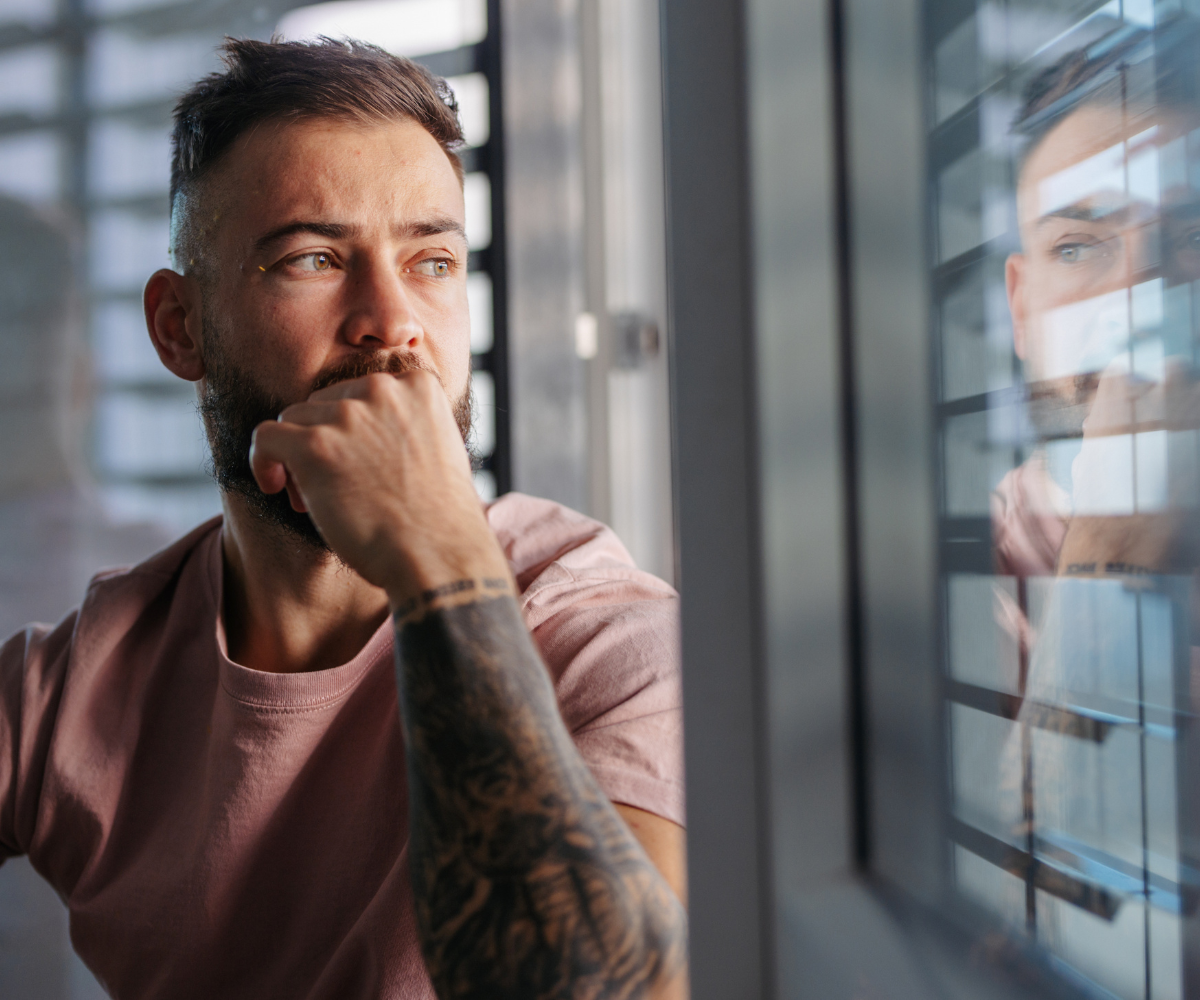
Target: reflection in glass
<point>1067,250</point>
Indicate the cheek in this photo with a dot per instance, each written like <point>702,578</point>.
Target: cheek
<point>279,340</point>
<point>450,339</point>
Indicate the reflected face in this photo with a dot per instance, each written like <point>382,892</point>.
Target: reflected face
<point>1100,234</point>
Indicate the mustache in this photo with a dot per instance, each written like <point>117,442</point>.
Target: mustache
<point>232,404</point>
<point>377,363</point>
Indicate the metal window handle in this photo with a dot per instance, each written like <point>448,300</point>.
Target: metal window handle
<point>634,339</point>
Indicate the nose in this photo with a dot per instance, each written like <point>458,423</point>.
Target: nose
<point>379,311</point>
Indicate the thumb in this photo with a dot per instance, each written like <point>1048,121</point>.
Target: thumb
<point>267,459</point>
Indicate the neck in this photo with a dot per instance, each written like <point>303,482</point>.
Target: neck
<point>289,607</point>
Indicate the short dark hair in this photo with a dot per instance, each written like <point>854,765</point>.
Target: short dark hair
<point>278,81</point>
<point>1138,70</point>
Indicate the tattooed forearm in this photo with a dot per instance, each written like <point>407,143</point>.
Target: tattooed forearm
<point>527,883</point>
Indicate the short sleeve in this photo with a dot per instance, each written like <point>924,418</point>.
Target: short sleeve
<point>32,667</point>
<point>609,634</point>
<point>620,695</point>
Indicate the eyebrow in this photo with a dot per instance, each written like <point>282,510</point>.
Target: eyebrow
<point>1182,210</point>
<point>1084,213</point>
<point>435,226</point>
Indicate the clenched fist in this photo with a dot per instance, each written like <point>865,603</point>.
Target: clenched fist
<point>379,464</point>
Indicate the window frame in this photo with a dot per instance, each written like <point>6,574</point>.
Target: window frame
<point>795,139</point>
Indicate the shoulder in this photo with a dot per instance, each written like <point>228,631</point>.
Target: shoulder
<point>164,564</point>
<point>609,635</point>
<point>116,599</point>
<point>112,595</point>
<point>557,553</point>
<point>600,623</point>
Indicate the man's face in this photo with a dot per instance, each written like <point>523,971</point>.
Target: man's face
<point>1102,230</point>
<point>335,251</point>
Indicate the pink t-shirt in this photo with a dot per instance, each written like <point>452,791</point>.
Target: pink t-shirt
<point>218,831</point>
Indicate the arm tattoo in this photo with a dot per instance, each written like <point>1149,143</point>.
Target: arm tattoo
<point>526,881</point>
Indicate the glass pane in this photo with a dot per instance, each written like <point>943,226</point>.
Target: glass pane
<point>479,300</point>
<point>127,160</point>
<point>140,435</point>
<point>35,13</point>
<point>29,81</point>
<point>121,348</point>
<point>477,192</point>
<point>1064,172</point>
<point>127,69</point>
<point>126,248</point>
<point>483,411</point>
<point>31,166</point>
<point>471,92</point>
<point>406,27</point>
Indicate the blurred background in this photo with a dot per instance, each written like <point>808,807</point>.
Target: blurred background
<point>102,450</point>
<point>870,324</point>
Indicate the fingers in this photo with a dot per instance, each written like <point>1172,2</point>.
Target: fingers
<point>310,414</point>
<point>368,385</point>
<point>348,419</point>
<point>329,405</point>
<point>273,447</point>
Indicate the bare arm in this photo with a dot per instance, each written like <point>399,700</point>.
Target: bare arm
<point>664,842</point>
<point>527,882</point>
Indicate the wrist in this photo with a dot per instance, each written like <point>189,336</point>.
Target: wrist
<point>436,575</point>
<point>466,590</point>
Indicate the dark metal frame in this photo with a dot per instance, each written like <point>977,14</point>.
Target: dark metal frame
<point>712,359</point>
<point>485,58</point>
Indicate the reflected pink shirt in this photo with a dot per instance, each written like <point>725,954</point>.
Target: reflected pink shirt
<point>223,832</point>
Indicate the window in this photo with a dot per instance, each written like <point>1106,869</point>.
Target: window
<point>85,105</point>
<point>1060,159</point>
<point>455,39</point>
<point>955,756</point>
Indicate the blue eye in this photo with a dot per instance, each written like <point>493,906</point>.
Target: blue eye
<point>434,267</point>
<point>1078,253</point>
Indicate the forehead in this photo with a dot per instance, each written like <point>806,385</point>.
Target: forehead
<point>1095,153</point>
<point>321,169</point>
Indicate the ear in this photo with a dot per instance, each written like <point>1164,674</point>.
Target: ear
<point>172,305</point>
<point>1014,285</point>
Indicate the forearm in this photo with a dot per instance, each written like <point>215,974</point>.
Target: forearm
<point>527,883</point>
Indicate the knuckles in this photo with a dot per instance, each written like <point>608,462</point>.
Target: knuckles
<point>323,444</point>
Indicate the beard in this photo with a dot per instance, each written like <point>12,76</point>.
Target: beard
<point>233,403</point>
<point>1058,406</point>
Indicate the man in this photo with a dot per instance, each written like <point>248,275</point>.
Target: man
<point>212,760</point>
<point>1098,525</point>
<point>1100,256</point>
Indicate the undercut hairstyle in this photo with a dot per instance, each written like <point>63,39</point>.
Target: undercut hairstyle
<point>280,82</point>
<point>1138,72</point>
